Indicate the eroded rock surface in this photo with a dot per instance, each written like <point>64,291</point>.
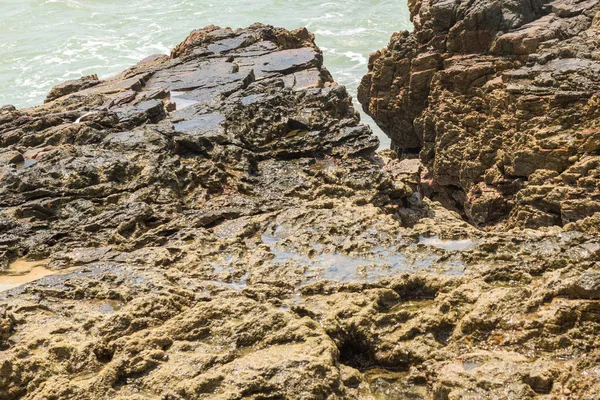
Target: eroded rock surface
<point>216,224</point>
<point>500,98</point>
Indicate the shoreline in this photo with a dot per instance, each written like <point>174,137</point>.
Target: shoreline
<point>237,234</point>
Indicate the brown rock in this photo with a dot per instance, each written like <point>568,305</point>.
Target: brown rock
<point>491,91</point>
<point>72,86</point>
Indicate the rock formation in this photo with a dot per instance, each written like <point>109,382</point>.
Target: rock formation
<point>500,99</point>
<point>216,224</point>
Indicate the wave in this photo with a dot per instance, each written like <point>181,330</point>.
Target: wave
<point>343,32</point>
<point>67,3</point>
<point>61,39</point>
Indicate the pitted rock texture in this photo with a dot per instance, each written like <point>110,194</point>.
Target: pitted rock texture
<point>112,163</point>
<point>163,173</point>
<point>216,224</point>
<point>500,99</point>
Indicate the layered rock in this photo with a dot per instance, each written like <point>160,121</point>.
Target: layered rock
<point>216,224</point>
<point>500,98</point>
<point>158,187</point>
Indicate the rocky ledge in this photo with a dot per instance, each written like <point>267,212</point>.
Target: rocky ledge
<point>500,100</point>
<point>216,224</point>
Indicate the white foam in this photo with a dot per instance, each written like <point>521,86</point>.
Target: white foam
<point>356,57</point>
<point>343,32</point>
<point>67,3</point>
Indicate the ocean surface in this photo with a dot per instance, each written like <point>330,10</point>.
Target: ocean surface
<point>45,42</point>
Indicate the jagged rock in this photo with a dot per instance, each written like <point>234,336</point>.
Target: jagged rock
<point>216,224</point>
<point>586,286</point>
<point>72,86</point>
<point>491,93</point>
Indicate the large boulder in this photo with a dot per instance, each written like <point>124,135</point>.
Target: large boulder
<point>500,99</point>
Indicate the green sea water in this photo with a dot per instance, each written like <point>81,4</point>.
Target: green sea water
<point>45,42</point>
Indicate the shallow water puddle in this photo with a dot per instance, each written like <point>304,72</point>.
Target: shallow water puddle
<point>386,385</point>
<point>238,285</point>
<point>335,266</point>
<point>110,307</point>
<point>449,245</point>
<point>412,305</point>
<point>22,271</point>
<point>180,101</point>
<point>383,262</point>
<point>469,366</point>
<point>26,163</point>
<point>295,300</point>
<point>222,269</point>
<point>340,267</point>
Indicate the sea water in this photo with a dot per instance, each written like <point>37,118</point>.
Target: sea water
<point>45,42</point>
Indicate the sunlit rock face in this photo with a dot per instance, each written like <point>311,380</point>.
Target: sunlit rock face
<point>500,100</point>
<point>216,224</point>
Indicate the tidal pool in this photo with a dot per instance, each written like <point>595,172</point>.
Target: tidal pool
<point>22,271</point>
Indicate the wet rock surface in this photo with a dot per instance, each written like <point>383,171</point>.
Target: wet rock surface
<point>500,99</point>
<point>216,224</point>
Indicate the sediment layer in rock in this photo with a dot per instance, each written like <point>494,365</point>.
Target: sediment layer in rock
<point>500,98</point>
<point>216,225</point>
